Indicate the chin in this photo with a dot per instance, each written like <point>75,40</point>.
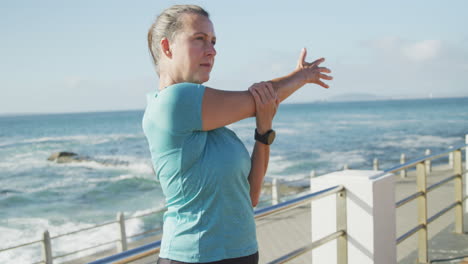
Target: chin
<point>204,79</point>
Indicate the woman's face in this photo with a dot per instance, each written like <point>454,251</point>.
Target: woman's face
<point>193,50</point>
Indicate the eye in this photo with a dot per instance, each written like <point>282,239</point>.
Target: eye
<point>199,38</point>
<point>213,42</point>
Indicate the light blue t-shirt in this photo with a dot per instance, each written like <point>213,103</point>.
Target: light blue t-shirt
<point>204,176</point>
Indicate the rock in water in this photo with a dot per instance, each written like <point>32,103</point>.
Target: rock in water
<point>64,157</point>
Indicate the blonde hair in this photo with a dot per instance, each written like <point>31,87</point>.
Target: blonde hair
<point>167,24</point>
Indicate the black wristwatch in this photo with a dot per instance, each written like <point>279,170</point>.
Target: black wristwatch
<point>266,138</point>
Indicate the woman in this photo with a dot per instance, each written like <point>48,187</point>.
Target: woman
<point>210,182</point>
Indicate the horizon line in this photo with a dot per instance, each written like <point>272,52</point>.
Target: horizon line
<point>327,100</point>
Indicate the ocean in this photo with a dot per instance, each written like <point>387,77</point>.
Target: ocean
<point>117,176</point>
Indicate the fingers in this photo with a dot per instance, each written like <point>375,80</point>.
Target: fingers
<point>263,93</point>
<point>316,62</point>
<point>326,77</point>
<point>258,93</point>
<point>324,85</point>
<point>312,71</point>
<point>323,69</point>
<point>302,57</point>
<point>271,92</point>
<point>255,94</point>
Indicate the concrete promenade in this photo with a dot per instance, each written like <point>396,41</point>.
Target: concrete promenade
<point>284,232</point>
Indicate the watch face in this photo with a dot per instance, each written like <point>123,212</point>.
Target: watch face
<point>267,138</point>
<point>271,137</point>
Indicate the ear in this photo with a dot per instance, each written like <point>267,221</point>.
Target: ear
<point>165,47</point>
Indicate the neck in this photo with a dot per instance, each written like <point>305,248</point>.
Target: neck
<point>164,81</point>
<point>166,78</point>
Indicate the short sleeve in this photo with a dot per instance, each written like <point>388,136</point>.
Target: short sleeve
<point>179,107</point>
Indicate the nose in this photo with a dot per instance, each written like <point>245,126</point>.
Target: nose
<point>210,50</point>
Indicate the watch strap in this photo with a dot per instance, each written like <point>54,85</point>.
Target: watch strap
<point>265,138</point>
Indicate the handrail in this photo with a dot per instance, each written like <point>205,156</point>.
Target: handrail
<point>408,199</point>
<point>440,183</point>
<point>259,213</point>
<point>84,229</point>
<point>429,189</point>
<point>413,162</point>
<point>296,253</point>
<point>429,220</point>
<point>129,253</point>
<point>409,233</point>
<point>441,212</point>
<point>262,212</point>
<point>22,245</point>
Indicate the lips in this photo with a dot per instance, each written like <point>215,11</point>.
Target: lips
<point>205,64</point>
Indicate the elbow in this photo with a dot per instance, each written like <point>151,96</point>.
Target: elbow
<point>254,201</point>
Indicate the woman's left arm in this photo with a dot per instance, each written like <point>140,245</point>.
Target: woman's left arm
<point>266,104</point>
<point>259,159</point>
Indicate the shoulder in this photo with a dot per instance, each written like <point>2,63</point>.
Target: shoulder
<point>181,89</point>
<point>183,96</point>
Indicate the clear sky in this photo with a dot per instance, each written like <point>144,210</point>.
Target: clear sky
<point>74,56</point>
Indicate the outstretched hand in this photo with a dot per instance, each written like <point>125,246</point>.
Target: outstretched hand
<point>311,72</point>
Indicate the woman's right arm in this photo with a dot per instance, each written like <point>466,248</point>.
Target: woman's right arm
<point>221,108</point>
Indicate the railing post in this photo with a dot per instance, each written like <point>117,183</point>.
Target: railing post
<point>122,246</point>
<point>466,171</point>
<point>458,169</point>
<point>341,224</point>
<point>376,164</point>
<point>422,212</point>
<point>428,162</point>
<point>402,161</point>
<point>274,191</point>
<point>370,218</point>
<point>47,248</point>
<point>451,158</point>
<point>312,188</point>
<point>312,176</point>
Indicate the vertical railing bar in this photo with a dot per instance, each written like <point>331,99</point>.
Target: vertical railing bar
<point>451,158</point>
<point>466,172</point>
<point>422,212</point>
<point>402,161</point>
<point>274,191</point>
<point>428,162</point>
<point>458,167</point>
<point>47,248</point>
<point>122,246</point>
<point>341,224</point>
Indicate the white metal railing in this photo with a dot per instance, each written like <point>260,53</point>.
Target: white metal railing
<point>340,234</point>
<point>46,242</point>
<point>423,167</point>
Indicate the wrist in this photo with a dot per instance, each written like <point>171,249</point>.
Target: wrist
<point>262,129</point>
<point>266,138</point>
<point>300,77</point>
